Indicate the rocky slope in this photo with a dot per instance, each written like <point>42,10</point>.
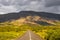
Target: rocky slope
<point>31,17</point>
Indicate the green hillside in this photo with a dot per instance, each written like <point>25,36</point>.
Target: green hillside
<point>9,31</point>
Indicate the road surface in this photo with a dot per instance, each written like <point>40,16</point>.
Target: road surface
<point>29,35</point>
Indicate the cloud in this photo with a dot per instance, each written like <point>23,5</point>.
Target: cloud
<point>19,5</point>
<point>52,6</point>
<point>34,5</point>
<point>50,3</point>
<point>7,9</point>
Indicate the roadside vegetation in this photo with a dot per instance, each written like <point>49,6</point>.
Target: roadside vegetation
<point>10,32</point>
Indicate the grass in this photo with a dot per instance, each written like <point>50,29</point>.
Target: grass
<point>10,35</point>
<point>11,32</point>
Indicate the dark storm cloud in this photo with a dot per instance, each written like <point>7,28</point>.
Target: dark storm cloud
<point>19,5</point>
<point>25,2</point>
<point>5,2</point>
<point>35,5</point>
<point>17,2</point>
<point>50,3</point>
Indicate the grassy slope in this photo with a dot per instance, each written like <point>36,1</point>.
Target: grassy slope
<point>9,31</point>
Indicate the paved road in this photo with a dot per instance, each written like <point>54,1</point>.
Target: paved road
<point>29,35</point>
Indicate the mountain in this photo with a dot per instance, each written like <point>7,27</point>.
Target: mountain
<point>30,17</point>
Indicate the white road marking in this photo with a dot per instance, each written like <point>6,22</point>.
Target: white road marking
<point>30,36</point>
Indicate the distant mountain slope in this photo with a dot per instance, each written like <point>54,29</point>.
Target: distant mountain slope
<point>30,16</point>
<point>42,14</point>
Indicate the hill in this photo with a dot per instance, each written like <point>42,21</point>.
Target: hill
<point>14,25</point>
<point>31,17</point>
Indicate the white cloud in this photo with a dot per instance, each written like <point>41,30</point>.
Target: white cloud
<point>7,9</point>
<point>2,12</point>
<point>33,2</point>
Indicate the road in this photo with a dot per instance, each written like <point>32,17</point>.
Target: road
<point>29,35</point>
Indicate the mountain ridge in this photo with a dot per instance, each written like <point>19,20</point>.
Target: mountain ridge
<point>31,17</point>
<point>29,13</point>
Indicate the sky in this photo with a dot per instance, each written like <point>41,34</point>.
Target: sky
<point>7,6</point>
